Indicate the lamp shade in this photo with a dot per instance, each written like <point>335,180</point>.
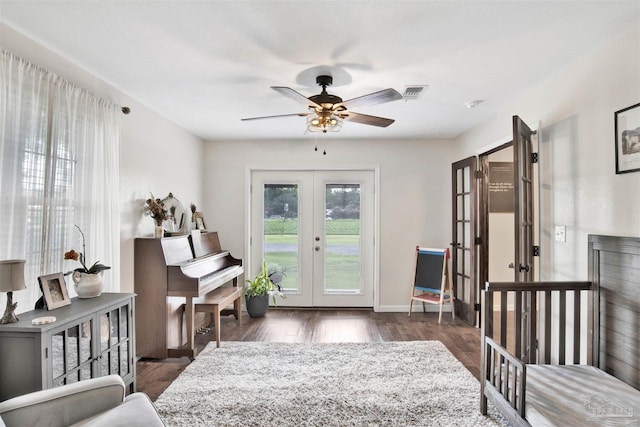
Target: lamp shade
<point>12,275</point>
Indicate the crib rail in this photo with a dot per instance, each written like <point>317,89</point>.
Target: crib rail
<point>505,380</point>
<point>531,322</point>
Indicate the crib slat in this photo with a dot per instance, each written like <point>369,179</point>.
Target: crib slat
<point>562,332</point>
<point>547,327</point>
<point>517,313</point>
<point>503,319</point>
<point>533,326</point>
<point>576,327</point>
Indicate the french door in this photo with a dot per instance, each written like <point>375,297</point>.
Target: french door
<point>317,228</point>
<point>474,259</point>
<point>463,253</point>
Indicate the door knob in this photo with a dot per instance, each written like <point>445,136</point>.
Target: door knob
<point>317,238</point>
<point>317,248</point>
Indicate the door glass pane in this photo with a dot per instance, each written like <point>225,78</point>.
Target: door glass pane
<point>467,179</point>
<point>73,347</point>
<point>467,207</point>
<point>342,238</point>
<point>113,330</point>
<point>104,331</point>
<point>281,238</point>
<point>124,358</point>
<point>85,341</point>
<point>58,350</point>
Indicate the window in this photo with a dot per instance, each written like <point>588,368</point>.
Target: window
<point>59,162</point>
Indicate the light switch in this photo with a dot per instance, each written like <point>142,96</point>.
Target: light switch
<point>561,233</point>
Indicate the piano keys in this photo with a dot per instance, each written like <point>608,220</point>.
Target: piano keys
<point>173,274</point>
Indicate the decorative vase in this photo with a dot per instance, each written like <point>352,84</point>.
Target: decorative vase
<point>257,306</point>
<point>159,232</point>
<point>87,285</point>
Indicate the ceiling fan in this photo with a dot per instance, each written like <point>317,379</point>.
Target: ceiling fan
<point>327,112</point>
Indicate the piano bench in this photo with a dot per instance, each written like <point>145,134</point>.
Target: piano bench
<point>218,300</point>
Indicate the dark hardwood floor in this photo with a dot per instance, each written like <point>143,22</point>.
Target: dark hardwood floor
<point>297,325</point>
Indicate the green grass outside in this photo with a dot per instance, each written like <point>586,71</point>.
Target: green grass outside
<point>290,226</point>
<point>343,271</point>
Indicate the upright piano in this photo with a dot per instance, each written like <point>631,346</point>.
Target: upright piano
<point>171,275</point>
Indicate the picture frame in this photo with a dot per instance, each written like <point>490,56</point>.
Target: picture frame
<point>627,139</point>
<point>54,290</point>
<point>198,218</point>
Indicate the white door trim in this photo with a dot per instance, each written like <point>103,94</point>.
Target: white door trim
<point>249,169</point>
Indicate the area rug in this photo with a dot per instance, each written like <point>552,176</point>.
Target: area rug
<point>415,383</point>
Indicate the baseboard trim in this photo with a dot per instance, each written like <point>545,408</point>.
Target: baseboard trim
<point>430,308</point>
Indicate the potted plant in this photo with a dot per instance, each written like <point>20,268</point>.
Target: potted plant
<point>257,292</point>
<point>87,280</point>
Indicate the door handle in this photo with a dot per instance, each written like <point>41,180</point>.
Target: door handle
<point>521,267</point>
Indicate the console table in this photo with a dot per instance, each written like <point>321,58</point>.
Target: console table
<point>90,338</point>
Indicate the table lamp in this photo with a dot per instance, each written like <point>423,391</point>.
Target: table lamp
<point>11,279</point>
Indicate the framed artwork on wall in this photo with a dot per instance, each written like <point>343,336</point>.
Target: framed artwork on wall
<point>627,125</point>
<point>54,290</point>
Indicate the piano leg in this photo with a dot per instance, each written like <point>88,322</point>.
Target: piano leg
<point>189,317</point>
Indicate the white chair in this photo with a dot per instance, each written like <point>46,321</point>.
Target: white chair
<point>96,402</point>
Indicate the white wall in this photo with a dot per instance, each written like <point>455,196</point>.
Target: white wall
<point>156,155</point>
<point>415,185</point>
<point>579,186</point>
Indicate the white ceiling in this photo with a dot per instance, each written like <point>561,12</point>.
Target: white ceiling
<point>207,64</point>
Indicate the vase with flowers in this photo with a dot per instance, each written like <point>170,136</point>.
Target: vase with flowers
<point>156,210</point>
<point>87,281</point>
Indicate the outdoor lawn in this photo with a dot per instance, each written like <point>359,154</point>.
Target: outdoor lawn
<point>342,254</point>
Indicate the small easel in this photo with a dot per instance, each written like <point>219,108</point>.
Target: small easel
<point>432,281</point>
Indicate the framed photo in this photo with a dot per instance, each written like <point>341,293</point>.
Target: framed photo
<point>627,122</point>
<point>54,291</point>
<point>199,220</point>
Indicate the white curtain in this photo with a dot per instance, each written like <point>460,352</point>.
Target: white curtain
<point>59,153</point>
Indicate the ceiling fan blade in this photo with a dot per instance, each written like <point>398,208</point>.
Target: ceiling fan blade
<point>366,119</point>
<point>278,115</point>
<point>382,96</point>
<point>296,96</point>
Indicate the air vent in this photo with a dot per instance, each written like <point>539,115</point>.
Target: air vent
<point>413,91</point>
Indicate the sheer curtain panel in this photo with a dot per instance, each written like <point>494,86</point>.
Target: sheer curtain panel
<point>59,152</point>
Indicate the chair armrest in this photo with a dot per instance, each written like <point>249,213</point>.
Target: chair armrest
<point>65,405</point>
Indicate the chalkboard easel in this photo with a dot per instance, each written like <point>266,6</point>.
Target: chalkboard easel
<point>432,281</point>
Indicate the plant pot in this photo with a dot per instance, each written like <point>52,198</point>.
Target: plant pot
<point>87,285</point>
<point>257,306</point>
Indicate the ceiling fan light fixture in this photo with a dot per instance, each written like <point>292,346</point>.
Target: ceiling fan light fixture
<point>324,123</point>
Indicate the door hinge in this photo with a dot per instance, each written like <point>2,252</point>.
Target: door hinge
<point>478,240</point>
<point>477,174</point>
<point>476,307</point>
<point>534,157</point>
<point>536,251</point>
